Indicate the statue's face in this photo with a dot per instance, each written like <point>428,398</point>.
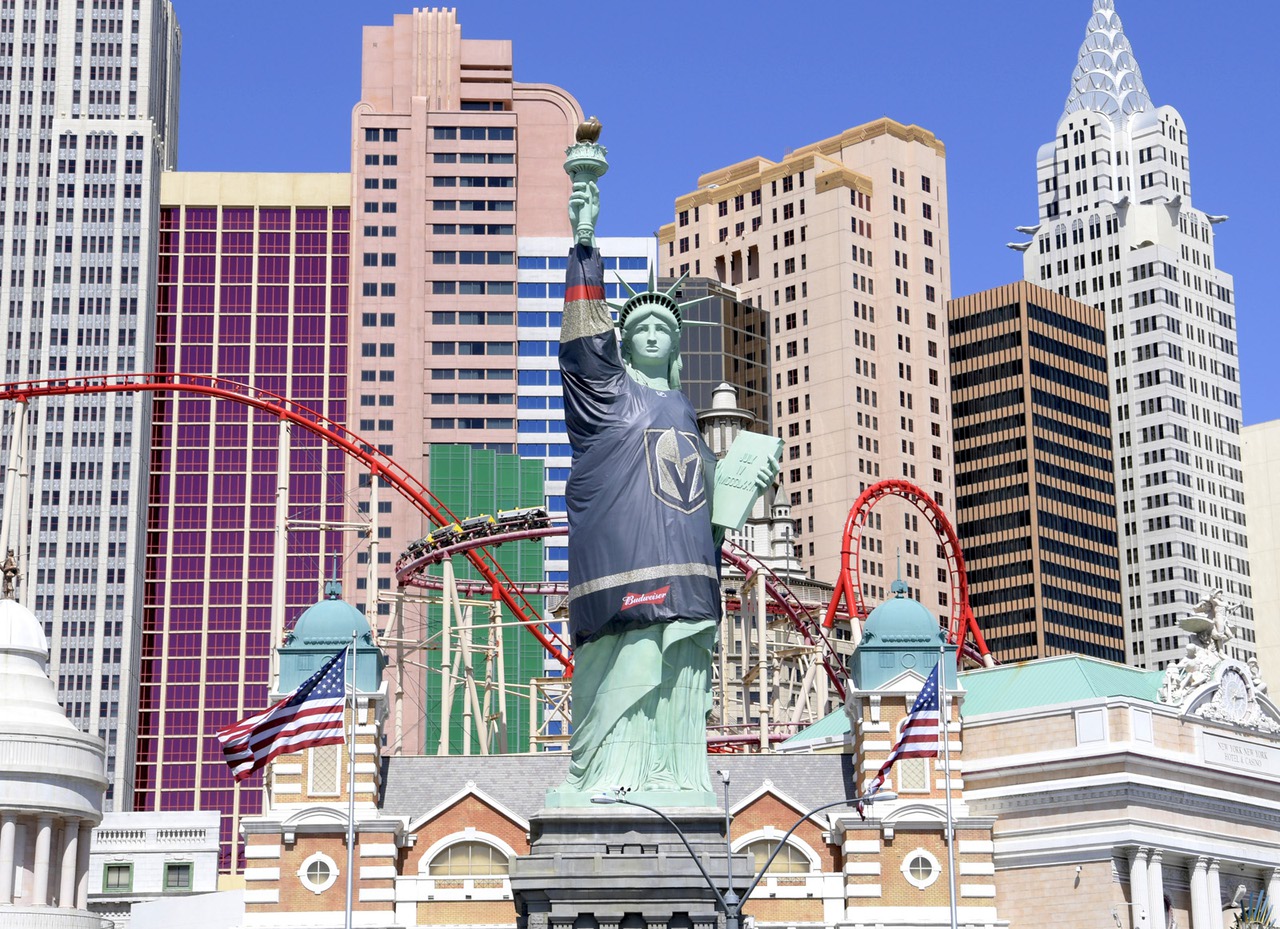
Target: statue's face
<point>649,340</point>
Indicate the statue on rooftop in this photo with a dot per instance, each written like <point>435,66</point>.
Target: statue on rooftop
<point>644,556</point>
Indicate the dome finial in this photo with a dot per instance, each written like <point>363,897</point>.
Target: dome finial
<point>333,586</point>
<point>899,587</point>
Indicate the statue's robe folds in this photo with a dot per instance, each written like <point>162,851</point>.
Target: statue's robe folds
<point>644,575</point>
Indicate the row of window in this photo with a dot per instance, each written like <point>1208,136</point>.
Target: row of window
<point>467,181</point>
<point>471,317</point>
<point>470,348</point>
<point>472,133</point>
<point>473,229</point>
<point>473,206</point>
<point>473,288</point>
<point>473,158</point>
<point>449,422</point>
<point>117,878</point>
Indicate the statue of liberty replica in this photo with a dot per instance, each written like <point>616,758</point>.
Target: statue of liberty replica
<point>644,556</point>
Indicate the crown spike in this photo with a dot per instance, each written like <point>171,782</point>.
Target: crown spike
<point>671,291</point>
<point>631,291</point>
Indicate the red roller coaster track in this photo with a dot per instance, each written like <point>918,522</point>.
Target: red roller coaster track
<point>848,591</point>
<point>353,445</point>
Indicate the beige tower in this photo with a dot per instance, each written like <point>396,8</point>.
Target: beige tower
<point>844,242</point>
<point>897,863</point>
<point>296,849</point>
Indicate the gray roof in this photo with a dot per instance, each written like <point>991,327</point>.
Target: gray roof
<point>412,785</point>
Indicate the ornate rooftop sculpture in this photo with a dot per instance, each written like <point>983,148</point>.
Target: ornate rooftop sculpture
<point>1107,79</point>
<point>1208,682</point>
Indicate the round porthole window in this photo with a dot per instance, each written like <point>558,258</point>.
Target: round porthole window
<point>318,873</point>
<point>920,868</point>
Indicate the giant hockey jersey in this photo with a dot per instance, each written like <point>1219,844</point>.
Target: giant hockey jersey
<point>641,546</point>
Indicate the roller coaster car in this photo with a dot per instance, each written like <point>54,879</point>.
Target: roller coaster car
<point>531,517</point>
<point>444,536</point>
<point>417,547</point>
<point>481,525</point>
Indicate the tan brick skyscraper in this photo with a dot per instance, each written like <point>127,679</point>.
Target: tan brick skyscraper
<point>844,242</point>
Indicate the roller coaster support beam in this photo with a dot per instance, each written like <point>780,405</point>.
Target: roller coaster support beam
<point>280,559</point>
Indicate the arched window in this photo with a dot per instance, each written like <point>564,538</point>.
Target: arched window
<point>789,861</point>
<point>469,859</point>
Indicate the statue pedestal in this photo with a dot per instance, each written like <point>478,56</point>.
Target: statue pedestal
<point>618,867</point>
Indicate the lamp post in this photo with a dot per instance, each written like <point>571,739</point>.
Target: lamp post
<point>730,901</point>
<point>1141,914</point>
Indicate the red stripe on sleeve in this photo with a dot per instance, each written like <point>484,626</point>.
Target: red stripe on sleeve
<point>584,292</point>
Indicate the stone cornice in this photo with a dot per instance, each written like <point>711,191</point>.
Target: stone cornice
<point>1061,798</point>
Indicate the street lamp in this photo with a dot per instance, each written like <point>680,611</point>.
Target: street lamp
<point>731,902</point>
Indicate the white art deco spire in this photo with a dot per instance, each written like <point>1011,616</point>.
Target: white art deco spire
<point>1118,230</point>
<point>1107,78</point>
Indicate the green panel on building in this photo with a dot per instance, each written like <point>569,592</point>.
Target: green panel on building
<point>473,482</point>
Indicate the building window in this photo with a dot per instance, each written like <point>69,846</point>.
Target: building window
<point>920,868</point>
<point>469,859</point>
<point>177,877</point>
<point>323,769</point>
<point>117,878</point>
<point>318,873</point>
<point>790,859</point>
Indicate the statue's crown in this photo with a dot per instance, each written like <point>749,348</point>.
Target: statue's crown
<point>657,299</point>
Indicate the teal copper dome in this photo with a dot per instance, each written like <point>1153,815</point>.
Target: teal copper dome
<point>330,622</point>
<point>899,635</point>
<point>902,621</point>
<point>323,629</point>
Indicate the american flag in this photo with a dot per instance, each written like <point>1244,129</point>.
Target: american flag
<point>920,732</point>
<point>310,716</point>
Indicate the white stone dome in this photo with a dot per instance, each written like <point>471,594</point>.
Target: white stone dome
<point>724,397</point>
<point>47,765</point>
<point>21,631</point>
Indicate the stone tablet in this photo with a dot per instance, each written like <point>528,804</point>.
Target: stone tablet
<point>736,491</point>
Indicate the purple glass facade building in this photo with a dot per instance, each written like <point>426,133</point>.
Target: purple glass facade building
<point>253,288</point>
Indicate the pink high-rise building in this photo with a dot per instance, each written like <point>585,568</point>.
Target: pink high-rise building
<point>452,160</point>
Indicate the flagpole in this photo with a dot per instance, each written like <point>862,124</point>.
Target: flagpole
<point>351,781</point>
<point>944,706</point>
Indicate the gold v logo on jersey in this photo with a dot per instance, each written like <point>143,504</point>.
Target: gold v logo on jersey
<point>675,469</point>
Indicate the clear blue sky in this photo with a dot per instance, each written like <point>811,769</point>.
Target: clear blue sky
<point>684,88</point>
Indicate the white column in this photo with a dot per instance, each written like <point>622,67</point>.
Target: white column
<point>70,854</point>
<point>40,866</point>
<point>1215,895</point>
<point>8,830</point>
<point>82,866</point>
<point>1139,892</point>
<point>1200,893</point>
<point>1273,885</point>
<point>1155,887</point>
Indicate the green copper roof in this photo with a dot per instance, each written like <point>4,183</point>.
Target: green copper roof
<point>832,725</point>
<point>1053,681</point>
<point>1023,686</point>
